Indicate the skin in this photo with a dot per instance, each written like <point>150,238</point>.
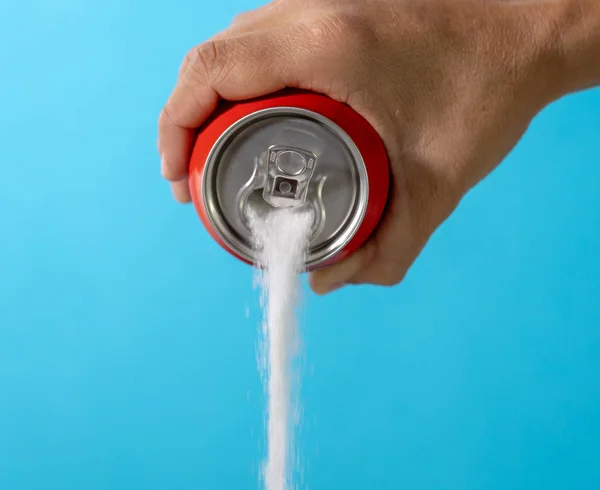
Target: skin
<point>450,85</point>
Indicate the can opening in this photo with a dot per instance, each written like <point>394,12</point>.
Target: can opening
<point>288,173</point>
<point>260,196</point>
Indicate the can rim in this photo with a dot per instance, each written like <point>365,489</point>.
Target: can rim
<point>244,249</point>
<point>357,126</point>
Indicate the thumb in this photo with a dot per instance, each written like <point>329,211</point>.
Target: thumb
<point>327,280</point>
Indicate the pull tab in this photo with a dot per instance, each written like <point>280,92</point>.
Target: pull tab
<point>289,171</point>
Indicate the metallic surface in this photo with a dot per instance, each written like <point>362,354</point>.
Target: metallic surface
<point>239,168</point>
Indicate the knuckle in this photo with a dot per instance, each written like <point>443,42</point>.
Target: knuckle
<point>343,29</point>
<point>342,42</point>
<point>208,60</point>
<point>329,31</point>
<point>165,119</point>
<point>251,16</point>
<point>242,18</point>
<point>203,59</point>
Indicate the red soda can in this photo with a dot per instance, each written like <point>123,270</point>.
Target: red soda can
<point>291,149</point>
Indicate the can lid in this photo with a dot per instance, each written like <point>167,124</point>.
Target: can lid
<point>283,156</point>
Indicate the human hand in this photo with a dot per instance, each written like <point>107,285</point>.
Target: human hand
<point>450,85</point>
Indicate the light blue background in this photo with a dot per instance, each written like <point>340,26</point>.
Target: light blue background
<point>127,361</point>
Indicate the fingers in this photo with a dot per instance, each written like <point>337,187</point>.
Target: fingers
<point>237,68</point>
<point>176,141</point>
<point>191,102</point>
<point>181,190</point>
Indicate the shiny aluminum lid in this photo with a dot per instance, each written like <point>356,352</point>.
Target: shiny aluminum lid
<point>286,157</point>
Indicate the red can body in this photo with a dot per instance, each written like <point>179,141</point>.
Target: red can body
<point>359,131</point>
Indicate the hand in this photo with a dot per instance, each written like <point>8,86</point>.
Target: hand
<point>450,85</point>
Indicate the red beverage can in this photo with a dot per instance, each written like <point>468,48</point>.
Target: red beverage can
<point>291,149</point>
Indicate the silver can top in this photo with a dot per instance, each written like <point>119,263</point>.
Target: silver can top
<point>286,157</point>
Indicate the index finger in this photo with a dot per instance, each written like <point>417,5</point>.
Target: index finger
<point>238,68</point>
<point>190,104</point>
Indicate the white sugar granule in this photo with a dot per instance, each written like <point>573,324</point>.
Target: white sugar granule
<point>282,239</point>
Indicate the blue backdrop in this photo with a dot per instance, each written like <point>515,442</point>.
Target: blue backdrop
<point>127,337</point>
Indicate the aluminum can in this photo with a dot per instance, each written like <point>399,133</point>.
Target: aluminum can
<point>291,149</point>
